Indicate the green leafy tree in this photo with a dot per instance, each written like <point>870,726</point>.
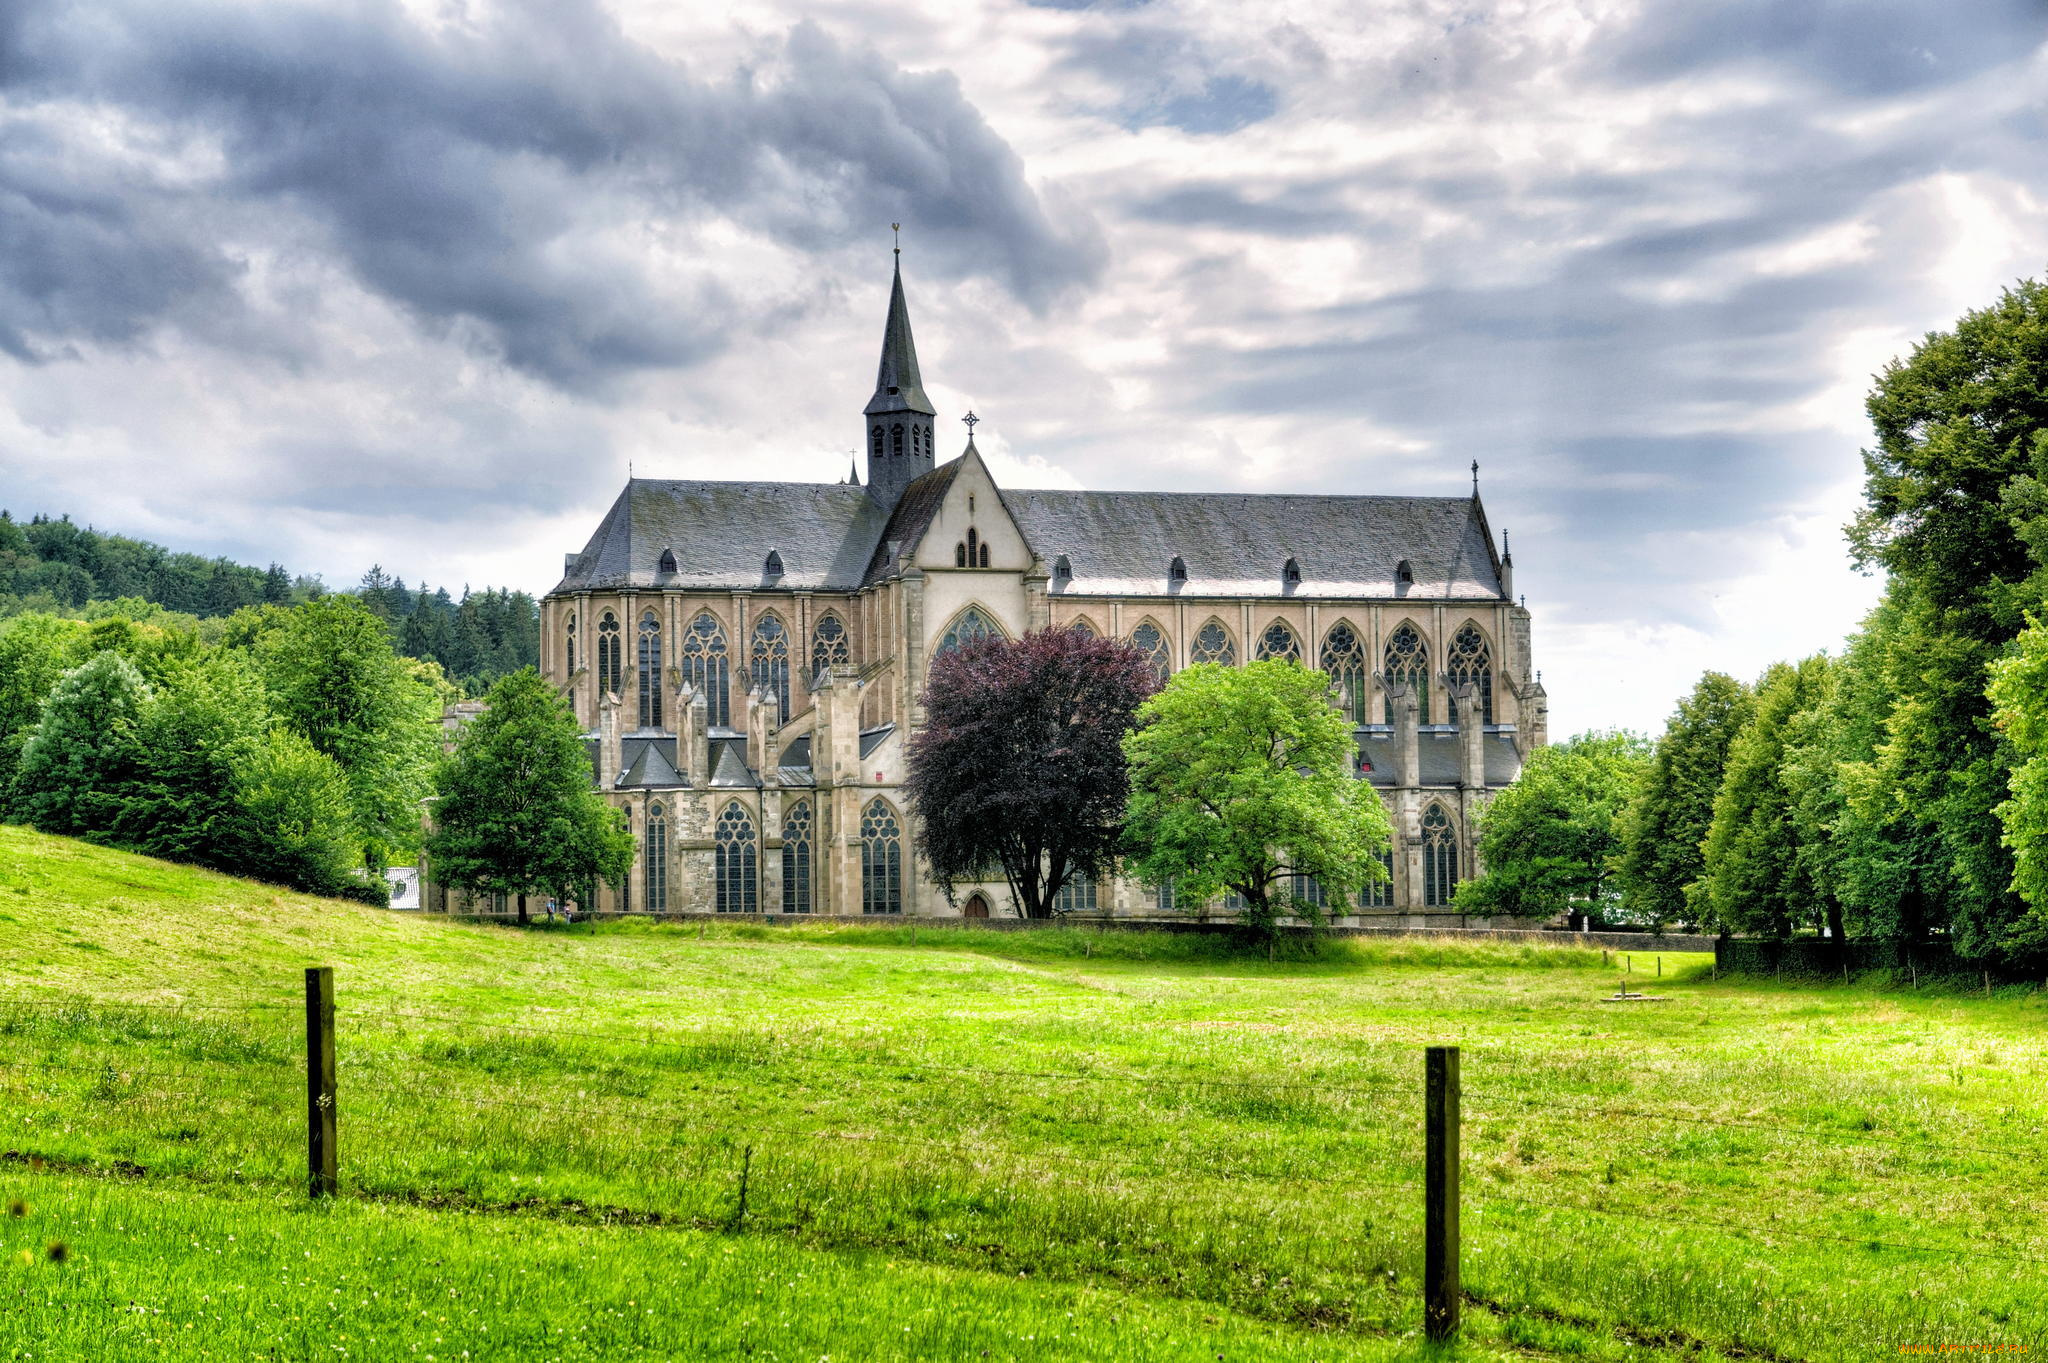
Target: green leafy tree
<point>2019,697</point>
<point>301,822</point>
<point>80,758</point>
<point>1956,509</point>
<point>517,814</point>
<point>35,652</point>
<point>1757,878</point>
<point>1243,778</point>
<point>1549,842</point>
<point>195,742</point>
<point>335,681</point>
<point>1665,825</point>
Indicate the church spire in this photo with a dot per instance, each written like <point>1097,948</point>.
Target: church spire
<point>899,415</point>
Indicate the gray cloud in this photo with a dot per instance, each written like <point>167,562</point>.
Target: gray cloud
<point>478,175</point>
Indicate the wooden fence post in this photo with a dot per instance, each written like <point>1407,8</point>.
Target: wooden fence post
<point>321,1156</point>
<point>1440,1288</point>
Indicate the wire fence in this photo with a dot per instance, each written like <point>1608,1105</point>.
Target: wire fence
<point>1380,1160</point>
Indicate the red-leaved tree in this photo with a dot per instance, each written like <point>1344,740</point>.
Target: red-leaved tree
<point>1020,764</point>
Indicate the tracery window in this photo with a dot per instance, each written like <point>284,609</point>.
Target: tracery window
<point>1470,662</point>
<point>796,858</point>
<point>969,627</point>
<point>1077,895</point>
<point>1379,894</point>
<point>650,671</point>
<point>1344,663</point>
<point>1081,626</point>
<point>1439,857</point>
<point>708,669</point>
<point>655,855</point>
<point>881,860</point>
<point>1279,642</point>
<point>738,882</point>
<point>1408,661</point>
<point>828,645</point>
<point>1147,639</point>
<point>771,660</point>
<point>1212,645</point>
<point>609,671</point>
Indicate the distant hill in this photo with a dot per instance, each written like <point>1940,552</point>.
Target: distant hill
<point>56,565</point>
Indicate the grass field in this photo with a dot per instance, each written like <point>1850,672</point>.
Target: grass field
<point>1044,1146</point>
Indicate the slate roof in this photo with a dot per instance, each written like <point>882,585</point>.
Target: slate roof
<point>835,537</point>
<point>721,534</point>
<point>1235,544</point>
<point>1437,757</point>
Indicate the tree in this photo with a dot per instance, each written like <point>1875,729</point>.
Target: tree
<point>1243,778</point>
<point>1756,878</point>
<point>301,823</point>
<point>1956,509</point>
<point>195,741</point>
<point>335,680</point>
<point>35,652</point>
<point>517,814</point>
<point>1549,842</point>
<point>1664,826</point>
<point>2019,696</point>
<point>79,760</point>
<point>1020,764</point>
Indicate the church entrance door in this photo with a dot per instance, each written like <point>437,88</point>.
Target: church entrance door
<point>977,907</point>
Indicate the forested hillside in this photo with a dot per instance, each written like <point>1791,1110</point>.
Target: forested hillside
<point>58,567</point>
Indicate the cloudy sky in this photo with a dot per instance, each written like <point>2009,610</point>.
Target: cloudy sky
<point>412,282</point>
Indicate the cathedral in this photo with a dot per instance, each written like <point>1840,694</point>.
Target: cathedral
<point>747,657</point>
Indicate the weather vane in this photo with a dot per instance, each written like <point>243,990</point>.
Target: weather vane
<point>897,228</point>
<point>970,420</point>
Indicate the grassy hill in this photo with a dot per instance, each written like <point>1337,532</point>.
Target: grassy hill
<point>1050,1146</point>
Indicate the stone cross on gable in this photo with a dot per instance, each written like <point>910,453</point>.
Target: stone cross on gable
<point>971,421</point>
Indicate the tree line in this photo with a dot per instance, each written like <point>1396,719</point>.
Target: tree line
<point>1896,788</point>
<point>53,566</point>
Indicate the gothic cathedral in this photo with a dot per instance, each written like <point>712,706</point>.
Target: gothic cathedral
<point>747,657</point>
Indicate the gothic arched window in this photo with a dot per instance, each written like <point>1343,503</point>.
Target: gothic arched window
<point>708,670</point>
<point>1408,661</point>
<point>655,855</point>
<point>650,671</point>
<point>771,660</point>
<point>1379,894</point>
<point>1082,626</point>
<point>1309,890</point>
<point>610,674</point>
<point>1077,895</point>
<point>960,554</point>
<point>1147,639</point>
<point>828,645</point>
<point>1439,857</point>
<point>668,561</point>
<point>874,446</point>
<point>1212,645</point>
<point>738,882</point>
<point>896,440</point>
<point>1166,895</point>
<point>1279,642</point>
<point>569,642</point>
<point>968,627</point>
<point>796,858</point>
<point>1470,663</point>
<point>1344,663</point>
<point>881,860</point>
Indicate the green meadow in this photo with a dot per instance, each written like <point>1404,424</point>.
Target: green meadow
<point>851,1142</point>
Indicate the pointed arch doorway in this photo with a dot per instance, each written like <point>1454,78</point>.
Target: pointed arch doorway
<point>976,907</point>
